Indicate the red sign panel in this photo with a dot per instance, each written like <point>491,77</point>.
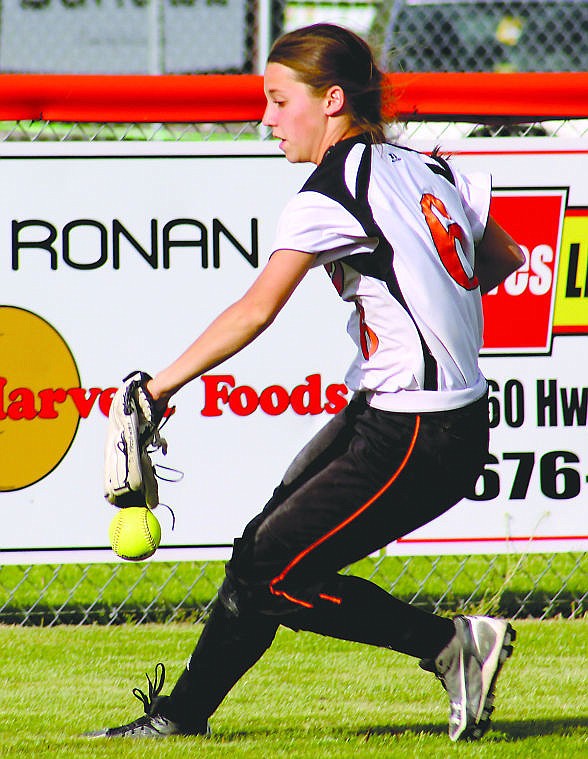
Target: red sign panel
<point>518,314</point>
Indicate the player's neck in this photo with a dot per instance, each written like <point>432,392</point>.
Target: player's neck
<point>339,130</point>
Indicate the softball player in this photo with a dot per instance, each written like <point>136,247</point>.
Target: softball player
<point>408,242</point>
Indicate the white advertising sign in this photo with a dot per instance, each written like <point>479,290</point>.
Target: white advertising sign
<point>122,36</point>
<point>113,257</point>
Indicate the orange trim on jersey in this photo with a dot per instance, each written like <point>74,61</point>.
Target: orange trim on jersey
<point>297,559</point>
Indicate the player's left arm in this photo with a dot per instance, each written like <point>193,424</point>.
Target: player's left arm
<point>238,325</point>
<point>497,256</point>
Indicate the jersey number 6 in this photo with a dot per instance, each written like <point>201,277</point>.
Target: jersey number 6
<point>445,240</point>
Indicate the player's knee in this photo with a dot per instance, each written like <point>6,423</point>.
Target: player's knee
<point>256,585</point>
<point>243,589</point>
<point>241,595</point>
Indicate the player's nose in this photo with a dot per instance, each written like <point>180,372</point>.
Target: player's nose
<point>269,119</point>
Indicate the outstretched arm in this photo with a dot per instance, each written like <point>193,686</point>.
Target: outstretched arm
<point>239,325</point>
<point>497,256</point>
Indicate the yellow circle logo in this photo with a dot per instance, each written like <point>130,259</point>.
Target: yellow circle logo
<point>38,421</point>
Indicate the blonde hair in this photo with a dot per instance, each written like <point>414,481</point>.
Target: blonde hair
<point>323,55</point>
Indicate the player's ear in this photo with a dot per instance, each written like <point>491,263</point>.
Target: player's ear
<point>334,100</point>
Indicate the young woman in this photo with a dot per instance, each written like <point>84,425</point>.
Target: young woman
<point>408,241</point>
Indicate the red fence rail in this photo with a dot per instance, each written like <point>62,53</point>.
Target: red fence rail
<point>208,98</point>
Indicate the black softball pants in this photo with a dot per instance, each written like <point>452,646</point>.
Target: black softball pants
<point>367,478</point>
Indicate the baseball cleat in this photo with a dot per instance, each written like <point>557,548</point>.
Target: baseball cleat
<point>152,724</point>
<point>468,668</point>
<point>147,726</point>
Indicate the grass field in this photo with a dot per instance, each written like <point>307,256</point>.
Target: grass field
<point>309,697</point>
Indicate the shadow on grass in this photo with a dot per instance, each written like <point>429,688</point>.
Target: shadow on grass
<point>518,730</point>
<point>499,731</point>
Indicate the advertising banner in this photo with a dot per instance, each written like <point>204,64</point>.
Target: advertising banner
<point>114,256</point>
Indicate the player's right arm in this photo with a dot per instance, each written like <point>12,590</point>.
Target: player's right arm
<point>497,256</point>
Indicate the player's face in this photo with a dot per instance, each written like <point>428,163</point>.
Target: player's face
<point>295,114</point>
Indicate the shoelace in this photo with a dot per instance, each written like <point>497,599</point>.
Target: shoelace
<point>155,687</point>
<point>151,434</point>
<point>156,442</point>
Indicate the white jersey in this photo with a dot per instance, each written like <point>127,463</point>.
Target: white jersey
<point>395,230</point>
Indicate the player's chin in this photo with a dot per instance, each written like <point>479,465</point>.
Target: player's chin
<point>286,150</point>
<point>293,156</point>
<point>294,153</point>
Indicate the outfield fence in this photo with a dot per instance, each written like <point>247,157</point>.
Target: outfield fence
<point>528,585</point>
<point>189,36</point>
<point>36,109</point>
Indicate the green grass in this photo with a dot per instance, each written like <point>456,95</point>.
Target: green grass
<point>309,697</point>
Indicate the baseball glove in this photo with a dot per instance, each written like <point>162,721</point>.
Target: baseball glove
<point>132,436</point>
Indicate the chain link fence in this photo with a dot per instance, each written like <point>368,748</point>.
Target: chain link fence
<point>205,36</point>
<point>526,584</point>
<point>478,35</point>
<point>50,131</point>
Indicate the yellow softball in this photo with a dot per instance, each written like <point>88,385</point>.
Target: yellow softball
<point>134,533</point>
